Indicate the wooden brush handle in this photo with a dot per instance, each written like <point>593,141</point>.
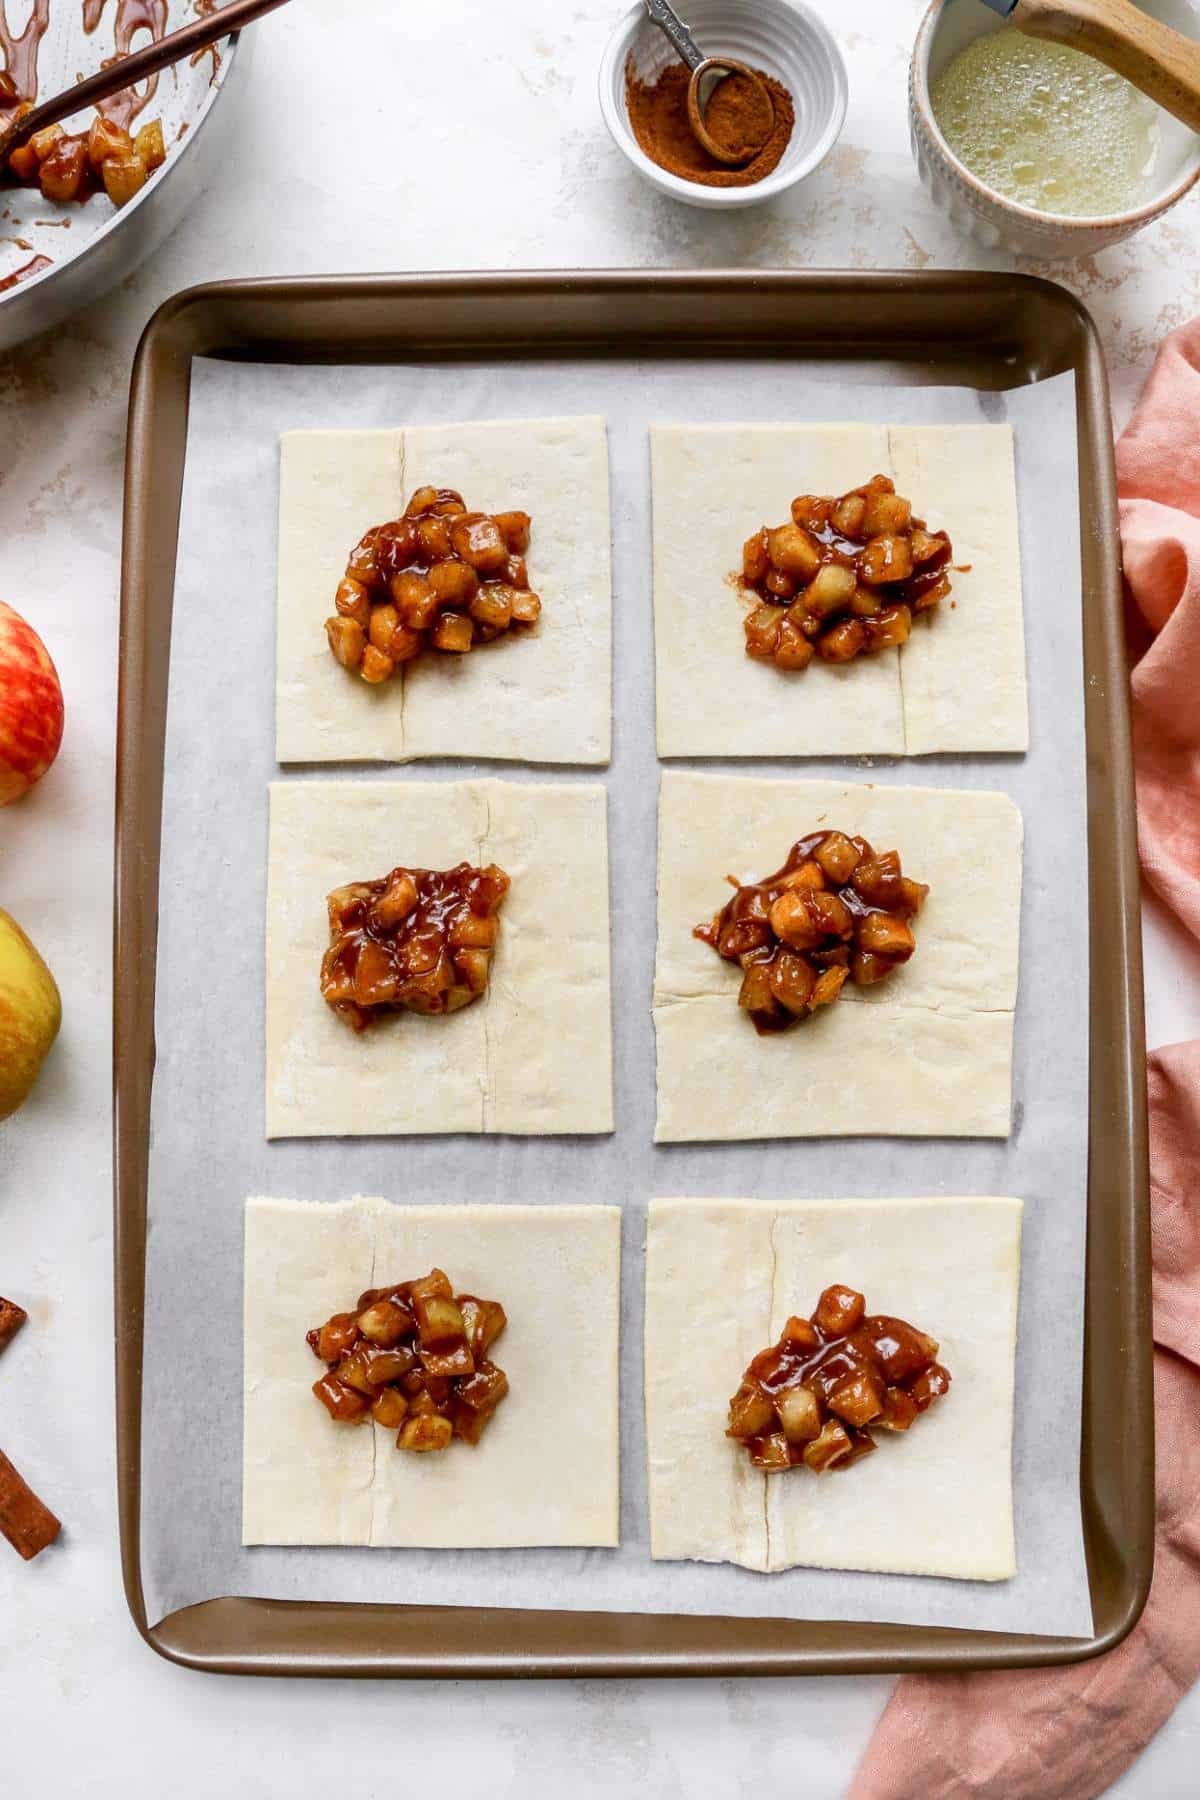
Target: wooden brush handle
<point>1162,63</point>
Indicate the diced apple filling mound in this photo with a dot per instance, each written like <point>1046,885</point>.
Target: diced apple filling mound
<point>837,911</point>
<point>70,167</point>
<point>440,578</point>
<point>815,1396</point>
<point>413,1357</point>
<point>845,577</point>
<point>417,940</point>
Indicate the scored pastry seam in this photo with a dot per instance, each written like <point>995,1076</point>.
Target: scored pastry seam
<point>486,1097</point>
<point>901,648</point>
<point>402,669</point>
<point>374,1216</point>
<point>664,1001</point>
<point>770,1338</point>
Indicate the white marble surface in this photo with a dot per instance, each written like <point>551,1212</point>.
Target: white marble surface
<point>497,161</point>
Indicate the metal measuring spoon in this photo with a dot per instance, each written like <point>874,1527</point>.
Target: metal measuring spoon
<point>708,72</point>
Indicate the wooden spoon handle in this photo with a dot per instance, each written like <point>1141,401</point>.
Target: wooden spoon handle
<point>1162,63</point>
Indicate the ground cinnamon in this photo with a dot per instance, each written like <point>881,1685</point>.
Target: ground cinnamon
<point>739,117</point>
<point>658,116</point>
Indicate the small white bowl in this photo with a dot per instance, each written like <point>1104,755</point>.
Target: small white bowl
<point>992,219</point>
<point>786,40</point>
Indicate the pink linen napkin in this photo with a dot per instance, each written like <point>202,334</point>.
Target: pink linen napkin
<point>1067,1734</point>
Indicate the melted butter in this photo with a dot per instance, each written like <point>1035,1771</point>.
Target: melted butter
<point>1047,126</point>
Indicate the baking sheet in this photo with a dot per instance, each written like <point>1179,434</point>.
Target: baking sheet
<point>207,1149</point>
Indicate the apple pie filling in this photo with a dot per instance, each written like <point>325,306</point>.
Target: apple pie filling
<point>413,1357</point>
<point>837,911</point>
<point>842,578</point>
<point>815,1396</point>
<point>440,578</point>
<point>72,166</point>
<point>419,940</point>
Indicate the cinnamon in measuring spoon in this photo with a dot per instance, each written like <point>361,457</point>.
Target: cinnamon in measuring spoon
<point>739,117</point>
<point>734,117</point>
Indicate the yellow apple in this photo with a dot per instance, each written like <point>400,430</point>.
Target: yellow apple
<point>30,1014</point>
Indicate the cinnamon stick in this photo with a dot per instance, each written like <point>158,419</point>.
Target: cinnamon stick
<point>24,1521</point>
<point>12,1317</point>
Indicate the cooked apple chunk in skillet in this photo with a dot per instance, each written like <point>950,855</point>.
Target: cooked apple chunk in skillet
<point>844,577</point>
<point>72,166</point>
<point>815,1396</point>
<point>837,911</point>
<point>440,578</point>
<point>419,940</point>
<point>413,1357</point>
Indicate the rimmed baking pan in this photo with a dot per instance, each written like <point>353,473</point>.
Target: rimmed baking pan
<point>988,331</point>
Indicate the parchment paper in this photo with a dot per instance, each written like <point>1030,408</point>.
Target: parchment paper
<point>208,1150</point>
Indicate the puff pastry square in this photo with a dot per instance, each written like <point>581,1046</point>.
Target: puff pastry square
<point>309,1481</point>
<point>942,1025</point>
<point>958,684</point>
<point>541,697</point>
<point>534,1055</point>
<point>936,1500</point>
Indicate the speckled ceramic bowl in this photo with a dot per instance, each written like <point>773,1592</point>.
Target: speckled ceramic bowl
<point>90,248</point>
<point>989,217</point>
<point>788,41</point>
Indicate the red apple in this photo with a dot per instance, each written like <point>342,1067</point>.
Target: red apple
<point>31,707</point>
